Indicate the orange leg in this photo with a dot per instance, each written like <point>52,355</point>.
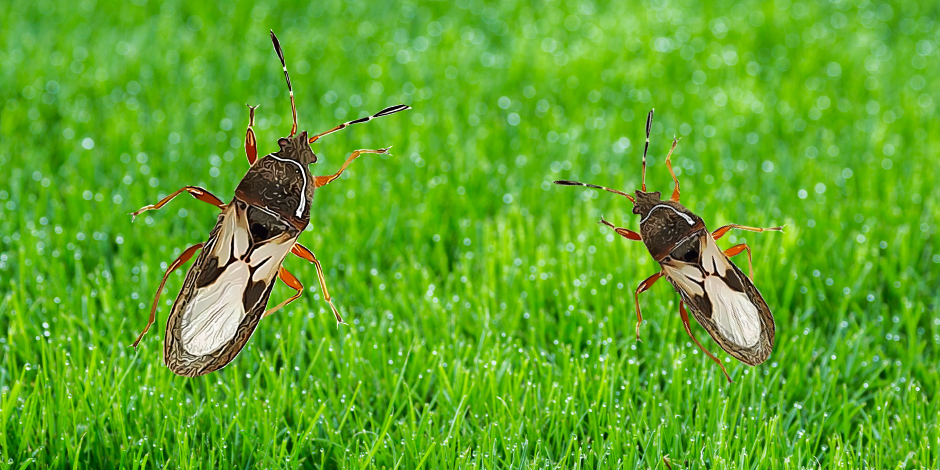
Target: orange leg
<point>675,192</point>
<point>251,143</point>
<point>736,250</point>
<point>308,255</point>
<point>688,329</point>
<point>183,258</point>
<point>723,230</point>
<point>291,282</point>
<point>197,192</point>
<point>642,288</point>
<point>319,181</point>
<point>625,233</point>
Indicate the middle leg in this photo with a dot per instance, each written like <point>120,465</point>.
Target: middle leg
<point>291,282</point>
<point>642,288</point>
<point>197,192</point>
<point>308,255</point>
<point>736,250</point>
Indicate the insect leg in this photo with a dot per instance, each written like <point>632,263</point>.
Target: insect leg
<point>251,143</point>
<point>736,250</point>
<point>384,112</point>
<point>319,181</point>
<point>675,192</point>
<point>183,258</point>
<point>642,288</point>
<point>291,282</point>
<point>308,255</point>
<point>195,191</point>
<point>625,233</point>
<point>723,230</point>
<point>688,329</point>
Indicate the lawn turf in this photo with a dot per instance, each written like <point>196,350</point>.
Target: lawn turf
<point>491,318</point>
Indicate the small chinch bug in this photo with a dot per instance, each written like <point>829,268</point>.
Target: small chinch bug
<point>722,299</point>
<point>226,290</point>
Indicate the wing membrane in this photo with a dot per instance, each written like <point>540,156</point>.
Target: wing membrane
<point>724,301</point>
<point>224,295</point>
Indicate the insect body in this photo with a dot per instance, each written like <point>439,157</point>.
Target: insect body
<point>722,299</point>
<point>226,290</point>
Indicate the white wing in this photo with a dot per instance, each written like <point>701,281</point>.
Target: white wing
<point>724,301</point>
<point>214,313</point>
<point>212,317</point>
<point>736,316</point>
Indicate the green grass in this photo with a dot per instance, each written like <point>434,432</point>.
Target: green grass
<point>491,318</point>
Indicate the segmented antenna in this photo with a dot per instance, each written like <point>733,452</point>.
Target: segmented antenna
<point>576,183</point>
<point>384,112</point>
<point>293,107</point>
<point>649,126</point>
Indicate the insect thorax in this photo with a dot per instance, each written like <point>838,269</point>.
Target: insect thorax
<point>664,224</point>
<point>689,250</point>
<point>280,183</point>
<point>263,225</point>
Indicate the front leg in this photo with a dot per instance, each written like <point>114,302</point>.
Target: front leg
<point>251,143</point>
<point>675,192</point>
<point>623,232</point>
<point>319,181</point>
<point>197,192</point>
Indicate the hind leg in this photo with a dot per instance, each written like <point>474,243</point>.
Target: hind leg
<point>688,329</point>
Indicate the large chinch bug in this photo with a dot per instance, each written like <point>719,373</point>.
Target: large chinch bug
<point>722,299</point>
<point>226,290</point>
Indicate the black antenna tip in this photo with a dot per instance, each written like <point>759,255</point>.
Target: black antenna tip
<point>391,110</point>
<point>567,183</point>
<point>277,47</point>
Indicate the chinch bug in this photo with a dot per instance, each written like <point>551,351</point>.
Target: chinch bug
<point>722,299</point>
<point>226,290</point>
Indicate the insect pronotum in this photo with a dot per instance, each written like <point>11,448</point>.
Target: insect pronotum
<point>722,299</point>
<point>226,290</point>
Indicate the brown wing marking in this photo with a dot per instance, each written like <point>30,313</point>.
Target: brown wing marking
<point>245,267</point>
<point>725,302</point>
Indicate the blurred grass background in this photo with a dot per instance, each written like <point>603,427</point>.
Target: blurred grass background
<point>491,318</point>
